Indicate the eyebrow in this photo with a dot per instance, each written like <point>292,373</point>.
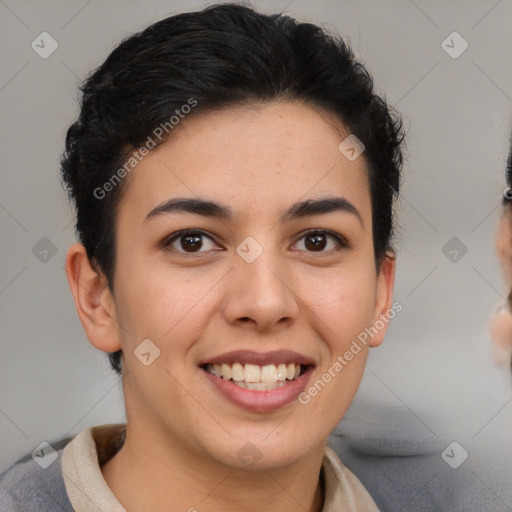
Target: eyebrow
<point>216,210</point>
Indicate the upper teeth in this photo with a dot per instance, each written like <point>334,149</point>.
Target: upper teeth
<point>254,373</point>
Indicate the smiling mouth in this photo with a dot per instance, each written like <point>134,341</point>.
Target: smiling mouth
<point>256,377</point>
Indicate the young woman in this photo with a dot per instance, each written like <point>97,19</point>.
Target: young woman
<point>233,175</point>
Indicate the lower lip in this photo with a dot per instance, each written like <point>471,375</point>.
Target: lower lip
<point>260,401</point>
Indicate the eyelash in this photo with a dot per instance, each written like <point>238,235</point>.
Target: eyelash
<point>341,241</point>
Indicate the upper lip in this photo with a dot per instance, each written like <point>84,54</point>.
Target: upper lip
<point>259,358</point>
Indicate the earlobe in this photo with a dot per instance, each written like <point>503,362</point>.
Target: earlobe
<point>93,300</point>
<point>383,305</point>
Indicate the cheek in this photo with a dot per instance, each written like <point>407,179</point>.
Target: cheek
<point>343,300</point>
<point>166,307</point>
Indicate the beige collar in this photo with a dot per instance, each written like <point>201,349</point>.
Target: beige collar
<point>87,490</point>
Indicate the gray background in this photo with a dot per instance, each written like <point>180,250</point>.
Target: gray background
<point>435,364</point>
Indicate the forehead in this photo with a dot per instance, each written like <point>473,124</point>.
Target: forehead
<point>257,158</point>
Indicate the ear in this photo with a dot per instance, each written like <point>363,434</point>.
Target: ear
<point>93,300</point>
<point>383,306</point>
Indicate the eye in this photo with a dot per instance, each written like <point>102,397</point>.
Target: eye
<point>317,240</point>
<point>189,242</point>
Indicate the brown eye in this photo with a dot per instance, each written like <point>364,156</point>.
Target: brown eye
<point>189,242</point>
<point>192,242</point>
<point>323,241</point>
<point>316,242</point>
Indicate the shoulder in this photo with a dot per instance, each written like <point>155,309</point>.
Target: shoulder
<point>27,486</point>
<point>343,491</point>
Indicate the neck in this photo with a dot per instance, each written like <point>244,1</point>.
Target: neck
<point>152,473</point>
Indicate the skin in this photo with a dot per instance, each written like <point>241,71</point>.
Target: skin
<point>504,244</point>
<point>182,435</point>
<point>500,329</point>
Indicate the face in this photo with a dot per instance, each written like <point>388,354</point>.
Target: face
<point>504,245</point>
<point>271,280</point>
<point>501,322</point>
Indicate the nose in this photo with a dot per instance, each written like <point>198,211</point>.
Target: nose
<point>260,294</point>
